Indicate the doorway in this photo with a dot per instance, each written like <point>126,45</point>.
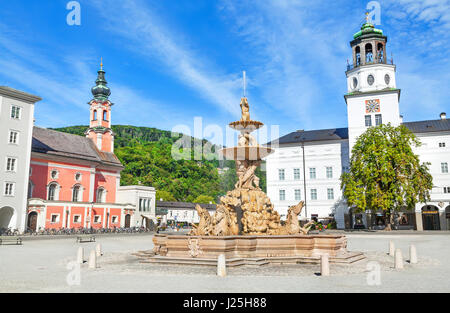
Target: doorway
<point>447,216</point>
<point>32,221</point>
<point>430,218</point>
<point>6,213</point>
<point>127,221</point>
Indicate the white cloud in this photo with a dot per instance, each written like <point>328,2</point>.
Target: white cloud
<point>148,35</point>
<point>298,55</point>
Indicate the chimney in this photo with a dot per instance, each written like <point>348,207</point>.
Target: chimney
<point>443,116</point>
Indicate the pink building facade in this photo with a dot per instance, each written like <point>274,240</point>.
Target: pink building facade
<point>74,179</point>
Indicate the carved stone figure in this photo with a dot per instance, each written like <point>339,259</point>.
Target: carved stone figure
<point>223,223</point>
<point>292,226</point>
<point>247,140</point>
<point>245,110</point>
<point>204,227</point>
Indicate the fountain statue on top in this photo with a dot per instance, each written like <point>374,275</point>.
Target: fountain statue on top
<point>247,210</point>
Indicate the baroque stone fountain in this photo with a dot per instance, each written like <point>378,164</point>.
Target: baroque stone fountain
<point>245,226</point>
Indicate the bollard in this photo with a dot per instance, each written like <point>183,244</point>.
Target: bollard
<point>98,250</point>
<point>391,248</point>
<point>221,266</point>
<point>324,265</point>
<point>80,255</point>
<point>412,254</point>
<point>398,263</point>
<point>93,260</point>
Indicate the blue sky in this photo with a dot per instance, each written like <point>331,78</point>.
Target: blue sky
<point>170,61</point>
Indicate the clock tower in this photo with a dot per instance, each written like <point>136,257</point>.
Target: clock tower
<point>372,96</point>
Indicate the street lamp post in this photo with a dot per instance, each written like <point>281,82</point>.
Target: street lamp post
<point>304,177</point>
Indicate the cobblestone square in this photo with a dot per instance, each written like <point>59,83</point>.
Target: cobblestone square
<point>42,266</point>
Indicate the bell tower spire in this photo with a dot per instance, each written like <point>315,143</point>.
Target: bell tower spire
<point>372,98</point>
<point>100,114</point>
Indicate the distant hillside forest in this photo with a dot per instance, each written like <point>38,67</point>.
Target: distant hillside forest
<point>146,154</point>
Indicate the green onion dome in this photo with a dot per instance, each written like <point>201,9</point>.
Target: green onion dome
<point>101,91</point>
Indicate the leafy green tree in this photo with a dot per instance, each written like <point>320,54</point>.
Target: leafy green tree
<point>204,199</point>
<point>165,195</point>
<point>385,174</point>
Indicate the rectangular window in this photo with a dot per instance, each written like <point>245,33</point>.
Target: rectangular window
<point>77,219</point>
<point>442,145</point>
<point>11,164</point>
<point>446,189</point>
<point>312,173</point>
<point>13,137</point>
<point>444,168</point>
<point>297,174</point>
<point>114,219</point>
<point>144,204</point>
<point>9,189</point>
<point>54,218</point>
<point>329,172</point>
<point>282,195</point>
<point>330,193</point>
<point>281,174</point>
<point>313,194</point>
<point>97,219</point>
<point>378,119</point>
<point>15,112</point>
<point>368,120</point>
<point>298,195</point>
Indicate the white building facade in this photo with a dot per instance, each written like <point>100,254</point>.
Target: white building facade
<point>16,128</point>
<point>307,165</point>
<point>142,199</point>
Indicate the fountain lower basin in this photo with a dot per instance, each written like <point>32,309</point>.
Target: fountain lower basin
<point>248,250</point>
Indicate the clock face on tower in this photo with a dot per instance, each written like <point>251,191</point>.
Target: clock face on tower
<point>373,106</point>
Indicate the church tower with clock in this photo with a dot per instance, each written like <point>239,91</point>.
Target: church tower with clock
<point>372,98</point>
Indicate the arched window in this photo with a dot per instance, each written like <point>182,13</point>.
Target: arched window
<point>105,115</point>
<point>76,193</point>
<point>380,53</point>
<point>101,195</point>
<point>52,191</point>
<point>358,56</point>
<point>369,53</point>
<point>95,115</point>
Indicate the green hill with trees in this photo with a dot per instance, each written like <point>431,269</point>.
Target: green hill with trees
<point>146,154</point>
